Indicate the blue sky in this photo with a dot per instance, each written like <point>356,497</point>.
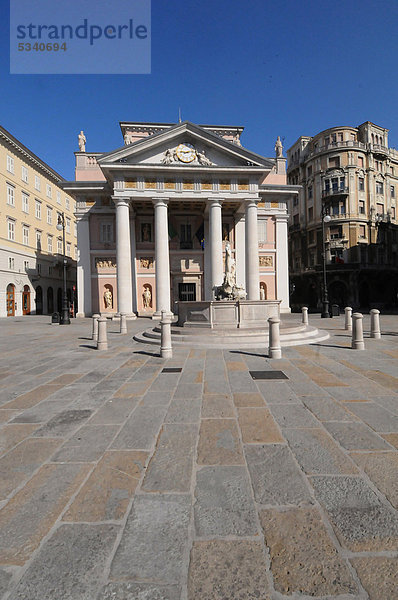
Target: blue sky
<point>286,68</point>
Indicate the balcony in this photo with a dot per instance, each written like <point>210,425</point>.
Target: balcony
<point>333,192</point>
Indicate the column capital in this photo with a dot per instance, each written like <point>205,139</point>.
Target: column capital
<point>214,201</point>
<point>281,217</point>
<point>251,201</point>
<point>160,201</point>
<point>121,201</point>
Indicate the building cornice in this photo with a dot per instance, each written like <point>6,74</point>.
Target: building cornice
<point>29,155</point>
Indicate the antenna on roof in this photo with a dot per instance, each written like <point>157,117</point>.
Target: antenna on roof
<point>179,114</point>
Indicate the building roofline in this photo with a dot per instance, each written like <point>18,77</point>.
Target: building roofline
<point>29,154</point>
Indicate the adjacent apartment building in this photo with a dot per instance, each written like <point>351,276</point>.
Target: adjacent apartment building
<point>31,247</point>
<point>350,174</point>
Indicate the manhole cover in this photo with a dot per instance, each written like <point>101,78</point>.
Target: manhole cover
<point>172,370</point>
<point>268,375</point>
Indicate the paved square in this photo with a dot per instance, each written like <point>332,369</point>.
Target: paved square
<point>127,477</point>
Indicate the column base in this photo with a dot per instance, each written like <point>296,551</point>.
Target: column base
<point>157,315</point>
<point>116,317</point>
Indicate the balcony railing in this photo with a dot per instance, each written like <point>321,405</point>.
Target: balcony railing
<point>342,191</point>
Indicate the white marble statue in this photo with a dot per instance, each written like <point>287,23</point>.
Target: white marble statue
<point>203,160</point>
<point>230,266</point>
<point>108,298</point>
<point>127,138</point>
<point>82,142</point>
<point>167,157</point>
<point>278,147</point>
<point>147,297</point>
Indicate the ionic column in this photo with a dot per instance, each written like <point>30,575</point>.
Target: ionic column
<point>282,262</point>
<point>162,259</point>
<point>83,267</point>
<point>215,234</point>
<point>133,261</point>
<point>251,235</point>
<point>123,256</point>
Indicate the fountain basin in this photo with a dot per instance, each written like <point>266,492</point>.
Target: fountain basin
<point>227,314</point>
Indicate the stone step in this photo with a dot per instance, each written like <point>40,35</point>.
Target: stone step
<point>236,338</point>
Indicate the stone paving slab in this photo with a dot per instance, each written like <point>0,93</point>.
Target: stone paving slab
<point>120,482</point>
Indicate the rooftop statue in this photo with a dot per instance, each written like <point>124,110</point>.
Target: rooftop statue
<point>278,147</point>
<point>82,142</point>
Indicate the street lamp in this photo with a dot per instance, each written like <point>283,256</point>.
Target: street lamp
<point>325,298</point>
<point>64,320</point>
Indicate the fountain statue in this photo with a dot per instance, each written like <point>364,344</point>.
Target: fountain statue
<point>229,290</point>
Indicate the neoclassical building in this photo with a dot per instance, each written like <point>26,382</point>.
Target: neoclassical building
<point>154,216</point>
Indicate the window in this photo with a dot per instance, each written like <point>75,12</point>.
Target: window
<point>311,236</point>
<point>67,227</point>
<point>11,264</point>
<point>361,184</point>
<point>25,235</point>
<point>48,190</point>
<point>26,265</point>
<point>335,209</point>
<point>342,184</point>
<point>335,184</point>
<point>360,161</point>
<point>59,245</point>
<point>38,268</point>
<point>333,136</point>
<point>11,230</point>
<point>68,247</point>
<point>379,187</point>
<point>75,228</point>
<point>49,215</point>
<point>393,212</point>
<point>362,231</point>
<point>50,243</point>
<point>392,191</point>
<point>295,201</point>
<point>309,171</point>
<point>310,191</point>
<point>38,239</point>
<point>340,136</point>
<point>67,203</point>
<point>342,208</point>
<point>58,197</point>
<point>106,232</point>
<point>262,230</point>
<point>311,214</point>
<point>25,202</point>
<point>24,174</point>
<point>50,270</point>
<point>38,209</point>
<point>334,161</point>
<point>185,237</point>
<point>10,195</point>
<point>380,208</point>
<point>327,140</point>
<point>187,292</point>
<point>37,182</point>
<point>361,207</point>
<point>336,233</point>
<point>10,164</point>
<point>327,186</point>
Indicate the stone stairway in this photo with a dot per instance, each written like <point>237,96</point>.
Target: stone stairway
<point>291,335</point>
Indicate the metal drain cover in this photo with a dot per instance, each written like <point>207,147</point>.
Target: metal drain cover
<point>268,375</point>
<point>172,370</point>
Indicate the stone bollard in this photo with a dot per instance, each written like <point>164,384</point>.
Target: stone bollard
<point>357,332</point>
<point>275,350</point>
<point>304,311</point>
<point>348,318</point>
<point>123,323</point>
<point>375,324</point>
<point>95,327</point>
<point>102,343</point>
<point>166,350</point>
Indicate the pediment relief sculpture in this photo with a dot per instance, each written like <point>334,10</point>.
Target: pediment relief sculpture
<point>185,153</point>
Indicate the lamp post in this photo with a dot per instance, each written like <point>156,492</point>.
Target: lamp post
<point>325,298</point>
<point>64,320</point>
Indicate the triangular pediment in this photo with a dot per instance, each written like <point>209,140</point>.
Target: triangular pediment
<point>184,144</point>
